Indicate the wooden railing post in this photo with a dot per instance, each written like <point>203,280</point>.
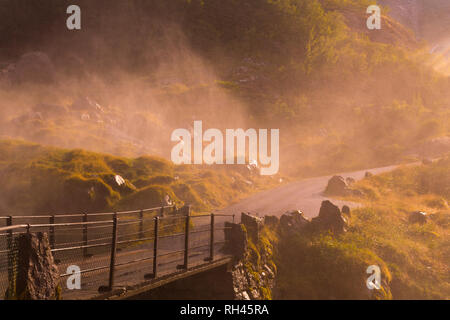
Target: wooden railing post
<point>187,210</point>
<point>85,234</point>
<point>9,240</point>
<point>113,252</point>
<point>211,249</point>
<point>52,232</point>
<point>155,249</point>
<point>141,224</point>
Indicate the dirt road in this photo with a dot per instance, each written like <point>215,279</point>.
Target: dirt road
<point>305,195</point>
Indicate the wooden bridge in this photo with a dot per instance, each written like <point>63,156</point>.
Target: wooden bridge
<point>120,254</point>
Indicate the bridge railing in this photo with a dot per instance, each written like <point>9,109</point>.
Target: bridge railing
<point>117,250</point>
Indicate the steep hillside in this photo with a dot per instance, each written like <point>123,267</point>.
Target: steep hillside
<point>345,98</point>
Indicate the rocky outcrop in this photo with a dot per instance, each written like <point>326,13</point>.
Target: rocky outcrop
<point>330,218</point>
<point>252,244</point>
<point>36,274</point>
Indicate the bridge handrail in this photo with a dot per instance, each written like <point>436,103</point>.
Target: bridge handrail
<point>157,232</point>
<point>88,214</point>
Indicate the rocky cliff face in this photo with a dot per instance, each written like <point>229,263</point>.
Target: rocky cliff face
<point>252,243</point>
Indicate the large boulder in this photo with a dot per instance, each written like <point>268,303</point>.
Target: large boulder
<point>337,186</point>
<point>330,218</point>
<point>37,276</point>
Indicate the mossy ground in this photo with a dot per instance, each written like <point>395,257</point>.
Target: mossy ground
<point>38,179</point>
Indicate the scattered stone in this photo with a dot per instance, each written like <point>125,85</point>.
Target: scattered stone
<point>350,181</point>
<point>427,162</point>
<point>418,217</point>
<point>346,210</point>
<point>368,174</point>
<point>255,294</point>
<point>245,296</point>
<point>357,193</point>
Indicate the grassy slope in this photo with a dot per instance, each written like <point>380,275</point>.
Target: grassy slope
<point>39,179</point>
<point>414,258</point>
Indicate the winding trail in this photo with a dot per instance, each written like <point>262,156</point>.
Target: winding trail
<point>305,195</point>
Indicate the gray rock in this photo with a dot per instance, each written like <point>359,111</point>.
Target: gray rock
<point>330,218</point>
<point>337,186</point>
